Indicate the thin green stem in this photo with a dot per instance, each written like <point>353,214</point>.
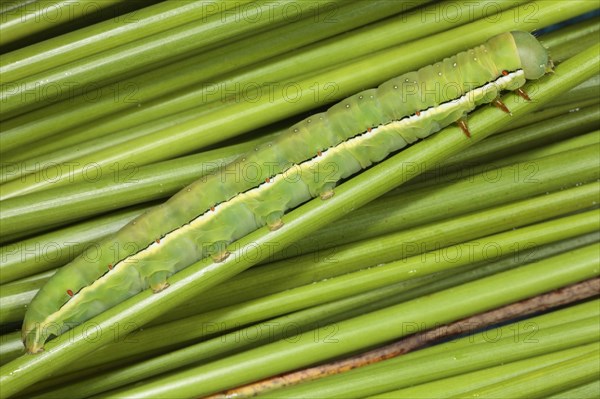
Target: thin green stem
<point>585,391</point>
<point>565,374</point>
<point>567,42</point>
<point>459,384</point>
<point>528,137</point>
<point>42,253</point>
<point>104,36</point>
<point>45,15</point>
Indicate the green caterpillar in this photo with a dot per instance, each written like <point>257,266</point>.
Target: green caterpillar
<point>317,152</point>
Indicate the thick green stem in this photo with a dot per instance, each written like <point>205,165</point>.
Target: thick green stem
<point>45,15</point>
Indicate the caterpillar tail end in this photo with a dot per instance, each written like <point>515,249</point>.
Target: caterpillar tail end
<point>35,348</point>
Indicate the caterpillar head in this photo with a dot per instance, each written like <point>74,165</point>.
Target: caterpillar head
<point>534,57</point>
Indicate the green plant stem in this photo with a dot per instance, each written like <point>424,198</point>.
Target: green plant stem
<point>586,140</point>
<point>457,385</point>
<point>7,5</point>
<point>145,53</point>
<point>527,159</point>
<point>21,373</point>
<point>25,214</point>
<point>104,36</point>
<point>182,90</point>
<point>416,205</point>
<point>549,131</point>
<point>285,327</point>
<point>514,342</point>
<point>405,211</point>
<point>54,249</point>
<point>585,391</point>
<point>551,112</point>
<point>523,334</point>
<point>567,42</point>
<point>534,118</point>
<point>384,325</point>
<point>123,186</point>
<point>242,117</point>
<point>244,339</point>
<point>116,128</point>
<point>562,375</point>
<point>556,319</point>
<point>16,296</point>
<point>45,14</point>
<point>389,295</point>
<point>13,298</point>
<point>583,92</point>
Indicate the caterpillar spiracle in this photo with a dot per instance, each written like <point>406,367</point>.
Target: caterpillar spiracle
<point>202,219</point>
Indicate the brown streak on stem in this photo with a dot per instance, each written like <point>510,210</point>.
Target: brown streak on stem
<point>552,299</point>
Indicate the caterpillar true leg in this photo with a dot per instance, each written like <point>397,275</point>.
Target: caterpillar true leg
<point>523,94</point>
<point>462,123</point>
<point>500,105</point>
